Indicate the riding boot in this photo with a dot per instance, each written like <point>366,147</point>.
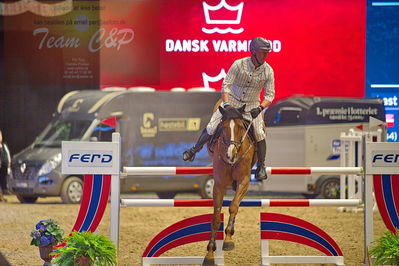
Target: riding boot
<point>189,155</point>
<point>260,173</point>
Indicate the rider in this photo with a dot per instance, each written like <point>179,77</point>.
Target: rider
<point>243,85</point>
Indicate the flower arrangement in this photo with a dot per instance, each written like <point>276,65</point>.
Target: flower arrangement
<point>46,233</point>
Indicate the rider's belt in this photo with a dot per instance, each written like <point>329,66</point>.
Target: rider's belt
<point>241,101</point>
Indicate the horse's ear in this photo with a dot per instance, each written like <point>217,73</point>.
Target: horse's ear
<point>242,109</point>
<point>221,110</point>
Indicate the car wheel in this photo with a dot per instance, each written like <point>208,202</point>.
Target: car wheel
<point>166,195</point>
<point>330,188</point>
<point>26,199</point>
<point>206,191</point>
<point>72,190</point>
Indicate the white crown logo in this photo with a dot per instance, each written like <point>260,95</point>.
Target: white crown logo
<point>230,15</point>
<point>206,79</point>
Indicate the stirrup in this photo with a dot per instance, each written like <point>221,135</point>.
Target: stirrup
<point>189,155</point>
<point>260,173</point>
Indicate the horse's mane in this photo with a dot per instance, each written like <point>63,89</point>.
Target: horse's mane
<point>231,113</point>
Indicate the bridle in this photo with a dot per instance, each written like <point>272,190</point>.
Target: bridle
<point>237,145</point>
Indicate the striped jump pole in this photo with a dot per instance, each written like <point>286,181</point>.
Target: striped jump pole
<point>160,171</point>
<point>244,203</point>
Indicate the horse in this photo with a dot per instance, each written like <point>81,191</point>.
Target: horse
<point>233,157</point>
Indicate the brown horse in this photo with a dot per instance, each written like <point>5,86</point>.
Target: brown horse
<point>233,158</point>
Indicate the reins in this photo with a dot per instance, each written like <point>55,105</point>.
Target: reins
<point>246,132</point>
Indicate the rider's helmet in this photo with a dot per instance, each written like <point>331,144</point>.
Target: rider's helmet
<point>259,43</point>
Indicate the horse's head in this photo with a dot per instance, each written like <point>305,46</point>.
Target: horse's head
<point>233,133</point>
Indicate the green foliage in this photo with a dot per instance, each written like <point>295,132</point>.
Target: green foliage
<point>46,233</point>
<point>98,248</point>
<point>386,249</point>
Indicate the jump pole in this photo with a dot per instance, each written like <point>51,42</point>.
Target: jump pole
<point>160,171</point>
<point>115,198</point>
<point>244,203</point>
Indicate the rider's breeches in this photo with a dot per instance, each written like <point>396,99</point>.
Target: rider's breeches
<point>258,123</point>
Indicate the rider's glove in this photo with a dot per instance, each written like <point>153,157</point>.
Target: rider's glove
<point>256,111</point>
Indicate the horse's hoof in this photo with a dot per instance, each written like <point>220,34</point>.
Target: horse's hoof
<point>227,246</point>
<point>208,262</point>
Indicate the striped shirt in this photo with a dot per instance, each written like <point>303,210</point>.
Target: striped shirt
<point>244,82</point>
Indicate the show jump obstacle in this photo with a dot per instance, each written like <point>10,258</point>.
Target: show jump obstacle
<point>99,162</point>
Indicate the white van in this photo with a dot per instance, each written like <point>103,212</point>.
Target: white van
<point>305,131</point>
<point>155,127</point>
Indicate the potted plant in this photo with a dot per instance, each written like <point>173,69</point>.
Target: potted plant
<point>385,251</point>
<point>46,234</point>
<point>85,248</point>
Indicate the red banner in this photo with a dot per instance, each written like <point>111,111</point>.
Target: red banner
<point>318,46</point>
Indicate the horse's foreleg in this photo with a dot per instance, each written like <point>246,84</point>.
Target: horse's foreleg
<point>218,194</point>
<point>242,188</point>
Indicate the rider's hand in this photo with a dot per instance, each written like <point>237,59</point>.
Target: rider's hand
<point>256,111</point>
